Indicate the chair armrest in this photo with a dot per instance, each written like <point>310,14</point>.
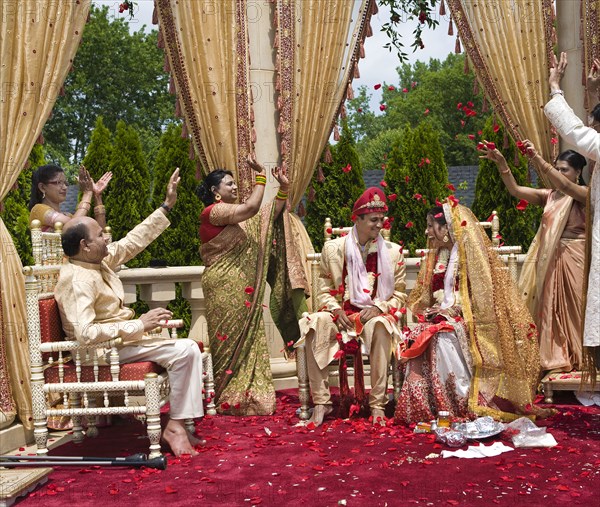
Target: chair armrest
<point>75,345</point>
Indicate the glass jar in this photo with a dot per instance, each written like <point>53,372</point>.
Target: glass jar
<point>443,420</point>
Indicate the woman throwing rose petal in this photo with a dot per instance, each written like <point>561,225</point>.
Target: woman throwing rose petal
<point>551,280</point>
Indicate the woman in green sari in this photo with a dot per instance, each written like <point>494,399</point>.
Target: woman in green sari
<point>236,246</point>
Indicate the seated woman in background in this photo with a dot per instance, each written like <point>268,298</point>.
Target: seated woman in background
<point>49,190</point>
<point>551,280</point>
<point>475,350</point>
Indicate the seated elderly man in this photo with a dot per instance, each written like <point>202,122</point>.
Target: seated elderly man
<point>90,299</point>
<point>361,288</point>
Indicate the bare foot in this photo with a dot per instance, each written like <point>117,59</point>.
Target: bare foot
<point>378,417</point>
<point>319,413</point>
<point>176,436</point>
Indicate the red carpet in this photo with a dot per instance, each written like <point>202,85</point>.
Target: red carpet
<point>268,461</point>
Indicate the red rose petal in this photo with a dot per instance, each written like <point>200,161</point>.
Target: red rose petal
<point>522,205</point>
<point>392,197</point>
<point>377,86</point>
<point>249,290</point>
<point>409,225</point>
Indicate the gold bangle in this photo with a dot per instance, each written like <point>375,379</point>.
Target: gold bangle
<point>281,195</point>
<point>99,209</point>
<point>84,205</point>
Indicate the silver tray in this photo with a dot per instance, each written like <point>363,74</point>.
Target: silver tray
<point>480,435</point>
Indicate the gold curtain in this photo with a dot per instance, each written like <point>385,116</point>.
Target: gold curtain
<point>591,39</point>
<point>318,45</point>
<point>37,44</point>
<point>207,49</point>
<point>510,44</point>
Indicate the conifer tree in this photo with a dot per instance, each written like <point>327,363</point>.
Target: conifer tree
<point>416,175</point>
<point>342,183</point>
<point>179,244</point>
<point>98,156</point>
<point>516,227</point>
<point>129,202</point>
<point>15,213</point>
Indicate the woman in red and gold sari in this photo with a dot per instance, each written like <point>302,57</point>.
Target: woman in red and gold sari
<point>237,240</point>
<point>551,280</point>
<point>475,350</point>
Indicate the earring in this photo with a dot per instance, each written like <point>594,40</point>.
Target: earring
<point>43,195</point>
<point>445,239</point>
<point>217,197</point>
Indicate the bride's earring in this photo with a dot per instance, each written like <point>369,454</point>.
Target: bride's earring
<point>445,239</point>
<point>217,197</point>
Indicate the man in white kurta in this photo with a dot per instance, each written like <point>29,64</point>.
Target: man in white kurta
<point>587,141</point>
<point>361,286</point>
<point>90,299</point>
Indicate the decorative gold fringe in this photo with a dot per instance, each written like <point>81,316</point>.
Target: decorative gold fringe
<point>442,8</point>
<point>336,133</point>
<point>505,141</point>
<point>475,87</point>
<point>350,92</point>
<point>311,194</point>
<point>356,72</point>
<point>457,48</point>
<point>374,8</point>
<point>301,210</point>
<point>328,158</point>
<point>450,28</point>
<point>320,175</point>
<point>154,15</point>
<point>466,68</point>
<point>590,367</point>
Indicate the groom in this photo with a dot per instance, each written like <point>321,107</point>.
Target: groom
<point>361,288</point>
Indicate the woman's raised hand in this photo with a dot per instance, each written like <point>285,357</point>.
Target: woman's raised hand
<point>491,154</point>
<point>254,164</point>
<point>593,79</point>
<point>281,177</point>
<point>530,150</point>
<point>102,183</point>
<point>86,183</point>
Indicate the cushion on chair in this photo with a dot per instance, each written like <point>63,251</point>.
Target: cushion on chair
<point>130,371</point>
<point>50,325</point>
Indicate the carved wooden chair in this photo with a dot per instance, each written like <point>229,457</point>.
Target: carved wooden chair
<point>330,232</point>
<point>76,372</point>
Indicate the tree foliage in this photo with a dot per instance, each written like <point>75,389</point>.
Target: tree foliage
<point>128,202</point>
<point>336,193</point>
<point>417,175</point>
<point>426,91</point>
<point>98,155</point>
<point>15,212</point>
<point>516,227</point>
<point>179,245</point>
<point>116,74</point>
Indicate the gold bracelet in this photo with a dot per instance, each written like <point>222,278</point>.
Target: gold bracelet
<point>260,179</point>
<point>99,209</point>
<point>84,205</point>
<point>281,195</point>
